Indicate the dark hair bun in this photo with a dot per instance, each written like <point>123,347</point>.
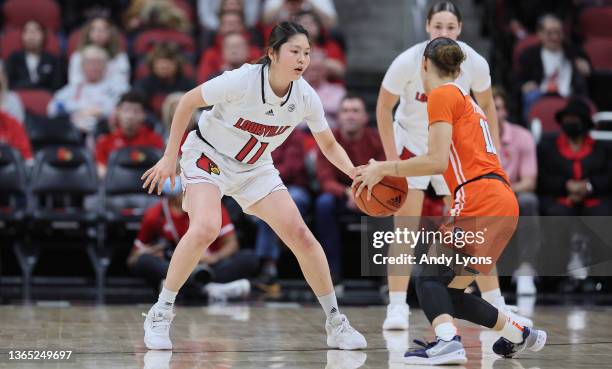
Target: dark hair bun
<point>450,55</point>
<point>446,54</point>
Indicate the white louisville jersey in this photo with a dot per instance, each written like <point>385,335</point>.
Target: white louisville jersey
<point>403,78</point>
<point>248,121</point>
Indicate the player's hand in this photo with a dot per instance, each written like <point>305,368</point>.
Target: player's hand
<point>156,176</point>
<point>350,200</point>
<point>367,176</point>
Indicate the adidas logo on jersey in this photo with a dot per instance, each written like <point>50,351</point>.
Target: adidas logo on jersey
<point>270,113</point>
<point>395,201</point>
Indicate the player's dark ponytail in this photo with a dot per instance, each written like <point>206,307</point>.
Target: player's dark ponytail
<point>280,34</point>
<point>444,6</point>
<point>446,55</point>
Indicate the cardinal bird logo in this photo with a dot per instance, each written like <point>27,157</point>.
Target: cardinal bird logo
<point>64,154</point>
<point>208,165</point>
<point>137,156</point>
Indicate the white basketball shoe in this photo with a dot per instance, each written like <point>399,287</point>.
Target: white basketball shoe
<point>341,335</point>
<point>157,328</point>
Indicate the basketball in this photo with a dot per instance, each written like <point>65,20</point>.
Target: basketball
<point>388,196</point>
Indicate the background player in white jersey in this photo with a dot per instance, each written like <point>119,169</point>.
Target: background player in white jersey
<point>255,108</point>
<point>406,136</point>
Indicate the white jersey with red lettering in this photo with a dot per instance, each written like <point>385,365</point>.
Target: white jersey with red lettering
<point>232,145</point>
<point>403,78</point>
<point>248,121</point>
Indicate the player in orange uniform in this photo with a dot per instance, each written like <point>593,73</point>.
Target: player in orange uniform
<point>461,148</point>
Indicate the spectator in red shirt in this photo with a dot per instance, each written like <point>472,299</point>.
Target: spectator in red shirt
<point>213,58</point>
<point>131,130</point>
<point>276,11</point>
<point>162,227</point>
<point>234,53</point>
<point>13,134</point>
<point>231,21</point>
<point>361,144</point>
<point>335,60</point>
<point>289,160</point>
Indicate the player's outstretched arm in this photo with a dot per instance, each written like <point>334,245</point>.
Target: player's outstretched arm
<point>334,152</point>
<point>166,166</point>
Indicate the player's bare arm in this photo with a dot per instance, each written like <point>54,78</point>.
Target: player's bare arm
<point>384,120</point>
<point>434,161</point>
<point>334,152</point>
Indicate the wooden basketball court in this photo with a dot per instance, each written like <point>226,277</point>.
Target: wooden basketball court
<point>277,336</point>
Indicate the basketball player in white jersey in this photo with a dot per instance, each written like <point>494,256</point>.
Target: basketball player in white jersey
<point>255,109</point>
<point>405,135</point>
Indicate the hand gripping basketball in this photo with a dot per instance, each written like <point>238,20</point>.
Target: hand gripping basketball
<point>384,195</point>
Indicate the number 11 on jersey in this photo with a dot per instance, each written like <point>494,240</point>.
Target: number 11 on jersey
<point>250,145</point>
<point>489,144</point>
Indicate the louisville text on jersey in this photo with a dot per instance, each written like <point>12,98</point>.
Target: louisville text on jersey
<point>259,129</point>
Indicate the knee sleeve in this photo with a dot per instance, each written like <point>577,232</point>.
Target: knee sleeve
<point>473,308</point>
<point>433,297</point>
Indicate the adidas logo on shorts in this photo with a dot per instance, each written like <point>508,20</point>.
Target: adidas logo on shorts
<point>270,113</point>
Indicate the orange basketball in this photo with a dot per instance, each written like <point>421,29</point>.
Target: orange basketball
<point>388,196</point>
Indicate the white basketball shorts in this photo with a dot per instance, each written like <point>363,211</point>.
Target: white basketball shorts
<point>247,184</point>
<point>409,144</point>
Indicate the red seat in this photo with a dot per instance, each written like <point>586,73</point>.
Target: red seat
<point>520,46</point>
<point>143,71</point>
<point>600,53</point>
<point>544,109</point>
<point>11,41</point>
<point>18,12</point>
<point>35,101</point>
<point>146,41</point>
<point>75,37</point>
<point>595,22</point>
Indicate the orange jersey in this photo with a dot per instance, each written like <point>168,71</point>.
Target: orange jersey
<point>472,151</point>
<point>487,204</point>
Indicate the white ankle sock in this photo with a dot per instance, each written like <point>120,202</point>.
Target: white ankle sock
<point>446,331</point>
<point>329,304</point>
<point>490,296</point>
<point>512,331</point>
<point>397,298</point>
<point>166,299</point>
